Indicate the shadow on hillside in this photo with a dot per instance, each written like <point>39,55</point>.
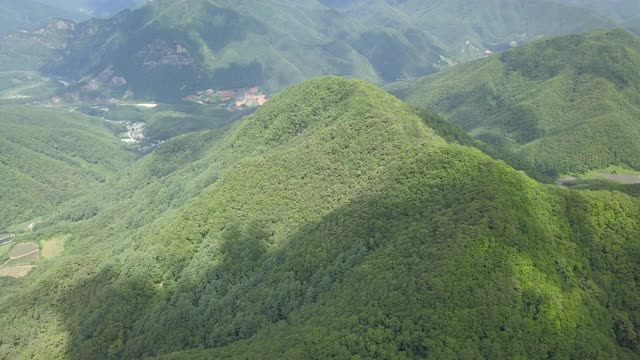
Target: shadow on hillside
<point>426,255</point>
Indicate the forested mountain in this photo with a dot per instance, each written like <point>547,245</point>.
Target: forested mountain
<point>335,222</point>
<point>569,104</point>
<point>229,44</point>
<point>49,156</point>
<point>169,49</point>
<point>30,14</point>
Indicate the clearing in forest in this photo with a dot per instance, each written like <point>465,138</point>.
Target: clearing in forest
<point>21,259</point>
<point>53,247</point>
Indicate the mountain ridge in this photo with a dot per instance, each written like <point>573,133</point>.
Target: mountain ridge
<point>300,229</point>
<point>555,101</point>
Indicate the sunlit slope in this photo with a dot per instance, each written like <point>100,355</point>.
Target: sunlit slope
<point>569,104</point>
<point>334,222</point>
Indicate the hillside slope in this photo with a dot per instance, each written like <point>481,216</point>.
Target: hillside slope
<point>569,104</point>
<point>334,222</point>
<point>49,156</point>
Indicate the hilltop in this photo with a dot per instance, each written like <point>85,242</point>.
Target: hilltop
<point>335,222</point>
<point>568,104</point>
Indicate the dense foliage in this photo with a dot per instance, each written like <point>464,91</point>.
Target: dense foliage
<point>49,156</point>
<point>569,104</point>
<point>332,223</point>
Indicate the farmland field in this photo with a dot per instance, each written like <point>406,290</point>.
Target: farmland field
<point>29,259</point>
<point>17,271</point>
<point>23,249</point>
<point>5,238</point>
<point>21,259</point>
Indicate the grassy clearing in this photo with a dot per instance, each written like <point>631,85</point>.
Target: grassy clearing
<point>4,249</point>
<point>612,174</point>
<point>15,86</point>
<point>53,247</point>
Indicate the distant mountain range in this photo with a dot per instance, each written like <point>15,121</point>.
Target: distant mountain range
<point>170,49</point>
<point>94,8</point>
<point>568,104</point>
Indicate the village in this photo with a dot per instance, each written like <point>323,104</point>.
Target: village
<point>235,99</point>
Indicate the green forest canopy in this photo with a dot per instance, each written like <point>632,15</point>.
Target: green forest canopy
<point>568,104</point>
<point>333,222</point>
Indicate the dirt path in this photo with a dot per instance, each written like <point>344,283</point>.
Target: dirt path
<point>18,257</point>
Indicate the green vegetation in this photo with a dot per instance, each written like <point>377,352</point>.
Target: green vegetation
<point>53,247</point>
<point>200,44</point>
<point>166,121</point>
<point>568,104</point>
<point>4,249</point>
<point>49,156</point>
<point>332,223</point>
<point>170,121</point>
<point>271,44</point>
<point>26,86</point>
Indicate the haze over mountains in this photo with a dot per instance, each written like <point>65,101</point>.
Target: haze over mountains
<point>183,181</point>
<point>30,14</point>
<point>279,43</point>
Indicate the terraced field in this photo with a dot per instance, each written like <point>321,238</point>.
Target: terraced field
<point>16,271</point>
<point>21,259</point>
